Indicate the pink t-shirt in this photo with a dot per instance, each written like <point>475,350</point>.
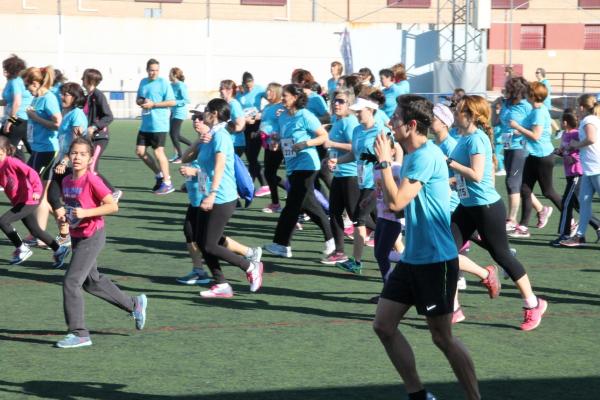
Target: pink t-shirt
<point>85,192</point>
<point>20,181</point>
<point>571,168</point>
<point>382,210</point>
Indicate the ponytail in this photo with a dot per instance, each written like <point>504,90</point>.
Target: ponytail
<point>44,76</point>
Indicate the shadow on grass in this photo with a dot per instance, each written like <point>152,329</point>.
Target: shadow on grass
<point>34,336</point>
<point>531,389</point>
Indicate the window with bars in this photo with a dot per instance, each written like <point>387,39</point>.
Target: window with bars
<point>263,2</point>
<point>589,3</point>
<point>533,37</point>
<point>591,37</point>
<point>409,3</point>
<point>505,4</point>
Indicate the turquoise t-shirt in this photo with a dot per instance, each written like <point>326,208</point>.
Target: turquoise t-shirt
<point>543,146</point>
<point>251,99</point>
<point>362,142</point>
<point>239,138</point>
<point>269,122</point>
<point>157,90</point>
<point>548,100</point>
<point>220,143</point>
<point>517,112</point>
<point>298,128</point>
<point>316,105</point>
<point>191,184</point>
<point>428,236</point>
<point>391,94</point>
<point>454,134</point>
<point>342,132</point>
<point>473,193</point>
<point>447,147</point>
<point>179,111</point>
<point>15,87</point>
<point>382,120</point>
<point>72,119</point>
<point>44,139</point>
<point>331,87</point>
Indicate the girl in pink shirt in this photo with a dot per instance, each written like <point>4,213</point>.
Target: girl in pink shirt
<point>23,187</point>
<point>87,200</point>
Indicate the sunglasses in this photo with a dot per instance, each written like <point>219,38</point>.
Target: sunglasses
<point>339,101</point>
<point>197,117</point>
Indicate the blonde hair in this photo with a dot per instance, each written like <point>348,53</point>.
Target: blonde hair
<point>590,104</point>
<point>44,76</point>
<point>275,88</point>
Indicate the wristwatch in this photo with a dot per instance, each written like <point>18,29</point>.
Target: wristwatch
<point>449,161</point>
<point>383,165</point>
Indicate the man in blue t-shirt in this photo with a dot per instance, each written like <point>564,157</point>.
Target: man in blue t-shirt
<point>427,273</point>
<point>155,97</point>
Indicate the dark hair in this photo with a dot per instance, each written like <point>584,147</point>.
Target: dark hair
<point>387,73</point>
<point>92,75</point>
<point>5,145</point>
<point>303,78</point>
<point>418,108</point>
<point>247,76</point>
<point>76,91</point>
<point>221,107</point>
<point>82,140</point>
<point>516,89</point>
<point>373,94</point>
<point>316,88</point>
<point>352,82</point>
<point>296,90</point>
<point>570,118</point>
<point>367,71</point>
<point>177,73</point>
<point>542,72</point>
<point>59,77</point>
<point>13,66</point>
<point>151,61</point>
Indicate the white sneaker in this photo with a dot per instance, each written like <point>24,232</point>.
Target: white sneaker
<point>256,255</point>
<point>279,250</point>
<point>222,290</point>
<point>255,277</point>
<point>462,283</point>
<point>329,247</point>
<point>19,255</point>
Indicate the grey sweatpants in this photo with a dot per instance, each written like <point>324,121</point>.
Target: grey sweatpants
<point>83,273</point>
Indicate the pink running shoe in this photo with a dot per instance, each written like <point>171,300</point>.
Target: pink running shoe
<point>544,216</point>
<point>262,191</point>
<point>370,243</point>
<point>349,232</point>
<point>492,282</point>
<point>223,291</point>
<point>465,248</point>
<point>255,278</point>
<point>458,316</point>
<point>333,258</point>
<point>533,316</point>
<point>272,208</point>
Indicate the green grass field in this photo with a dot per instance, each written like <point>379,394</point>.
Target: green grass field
<point>306,335</point>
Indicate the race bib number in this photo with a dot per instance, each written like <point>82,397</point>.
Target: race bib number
<point>461,187</point>
<point>287,147</point>
<point>250,112</point>
<point>202,179</point>
<point>360,172</point>
<point>507,139</point>
<point>70,207</point>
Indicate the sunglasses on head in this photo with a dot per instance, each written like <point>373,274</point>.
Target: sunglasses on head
<point>339,101</point>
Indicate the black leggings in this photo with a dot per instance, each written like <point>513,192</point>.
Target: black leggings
<point>189,224</point>
<point>16,135</point>
<point>514,162</point>
<point>55,191</point>
<point>301,197</point>
<point>273,160</point>
<point>253,146</point>
<point>490,222</point>
<point>24,213</point>
<point>343,195</point>
<point>99,148</point>
<point>570,201</point>
<point>537,169</point>
<point>176,138</point>
<point>210,227</point>
<point>325,175</point>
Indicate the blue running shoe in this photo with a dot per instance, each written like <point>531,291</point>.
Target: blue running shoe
<point>60,255</point>
<point>71,341</point>
<point>139,311</point>
<point>195,277</point>
<point>165,189</point>
<point>351,265</point>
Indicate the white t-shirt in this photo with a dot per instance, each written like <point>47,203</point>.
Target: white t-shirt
<point>382,210</point>
<point>590,155</point>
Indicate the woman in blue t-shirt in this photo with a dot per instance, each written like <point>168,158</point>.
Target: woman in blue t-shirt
<point>539,163</point>
<point>481,208</point>
<point>344,191</point>
<point>300,133</point>
<point>15,99</point>
<point>178,112</point>
<point>218,196</point>
<point>227,90</point>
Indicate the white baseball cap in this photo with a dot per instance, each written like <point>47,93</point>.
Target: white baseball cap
<point>364,103</point>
